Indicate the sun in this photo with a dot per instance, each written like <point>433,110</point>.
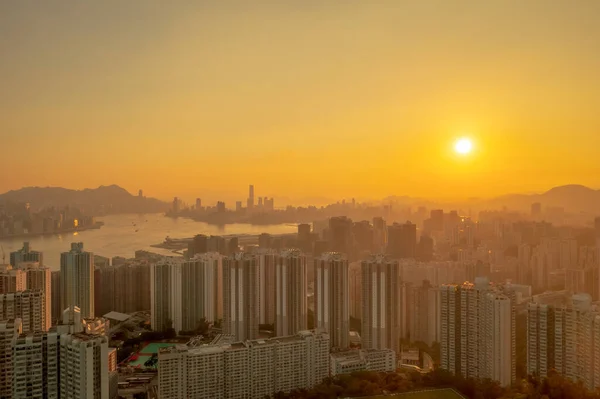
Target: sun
<point>463,146</point>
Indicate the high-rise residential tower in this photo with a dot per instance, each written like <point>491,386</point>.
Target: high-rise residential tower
<point>380,303</point>
<point>26,254</point>
<point>84,366</point>
<point>332,308</point>
<point>200,290</point>
<point>478,331</point>
<point>165,304</point>
<point>9,331</point>
<point>25,305</point>
<point>241,295</point>
<point>11,279</point>
<point>291,288</point>
<point>39,278</point>
<point>77,280</point>
<point>55,287</point>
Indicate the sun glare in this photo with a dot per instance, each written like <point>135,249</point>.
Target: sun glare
<point>463,146</point>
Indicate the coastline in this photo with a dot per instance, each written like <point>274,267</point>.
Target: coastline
<point>95,226</point>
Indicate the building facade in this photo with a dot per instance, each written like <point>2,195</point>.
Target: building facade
<point>39,278</point>
<point>241,295</point>
<point>200,290</point>
<point>332,308</point>
<point>26,254</point>
<point>381,308</point>
<point>291,289</point>
<point>35,366</point>
<point>84,366</point>
<point>9,331</point>
<point>28,306</point>
<point>478,331</point>
<point>77,280</point>
<point>249,369</point>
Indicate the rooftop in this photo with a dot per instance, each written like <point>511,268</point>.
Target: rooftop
<point>117,316</point>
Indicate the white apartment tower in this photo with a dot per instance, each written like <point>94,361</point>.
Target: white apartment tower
<point>380,303</point>
<point>241,295</point>
<point>201,290</point>
<point>24,305</point>
<point>332,310</point>
<point>84,366</point>
<point>249,369</point>
<point>35,366</point>
<point>9,331</point>
<point>291,288</point>
<point>77,280</point>
<point>40,278</point>
<point>478,331</point>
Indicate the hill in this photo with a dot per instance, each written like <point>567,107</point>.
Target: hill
<point>101,200</point>
<point>575,198</point>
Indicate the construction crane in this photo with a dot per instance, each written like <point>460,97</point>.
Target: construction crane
<point>3,255</point>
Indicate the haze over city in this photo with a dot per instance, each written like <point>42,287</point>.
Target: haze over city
<point>300,199</point>
<point>304,99</point>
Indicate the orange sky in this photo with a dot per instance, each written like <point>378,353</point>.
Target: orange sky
<point>303,99</point>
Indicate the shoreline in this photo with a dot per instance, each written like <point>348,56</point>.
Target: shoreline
<point>95,226</point>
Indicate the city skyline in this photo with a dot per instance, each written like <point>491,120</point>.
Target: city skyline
<point>326,89</point>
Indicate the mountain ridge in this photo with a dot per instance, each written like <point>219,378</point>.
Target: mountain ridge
<point>571,197</point>
<point>103,199</point>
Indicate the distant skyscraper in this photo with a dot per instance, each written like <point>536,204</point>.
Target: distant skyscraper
<point>241,296</point>
<point>9,331</point>
<point>77,280</point>
<point>40,278</point>
<point>198,204</point>
<point>332,308</point>
<point>26,306</point>
<point>380,303</point>
<point>12,280</point>
<point>141,193</point>
<point>402,240</point>
<point>290,293</point>
<point>379,235</point>
<point>250,197</point>
<point>597,226</point>
<point>25,254</point>
<point>176,204</point>
<point>341,238</point>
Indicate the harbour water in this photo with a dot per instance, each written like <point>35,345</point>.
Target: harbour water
<point>122,235</point>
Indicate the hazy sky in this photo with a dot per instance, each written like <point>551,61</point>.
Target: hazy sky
<point>301,98</point>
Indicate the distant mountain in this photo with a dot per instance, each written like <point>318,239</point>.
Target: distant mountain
<point>104,199</point>
<point>574,198</point>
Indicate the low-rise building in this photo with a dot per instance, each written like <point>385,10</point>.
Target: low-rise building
<point>249,369</point>
<point>346,362</point>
